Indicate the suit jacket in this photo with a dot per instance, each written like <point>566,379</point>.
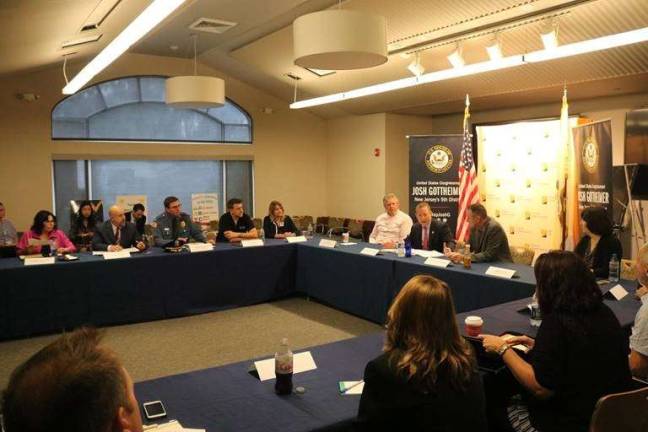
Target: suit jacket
<point>599,259</point>
<point>390,402</point>
<point>438,234</point>
<point>489,243</point>
<point>104,236</point>
<point>140,223</point>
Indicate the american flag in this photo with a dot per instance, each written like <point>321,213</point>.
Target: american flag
<point>468,188</point>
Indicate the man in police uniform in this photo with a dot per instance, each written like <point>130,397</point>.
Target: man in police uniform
<point>173,227</point>
<point>235,225</point>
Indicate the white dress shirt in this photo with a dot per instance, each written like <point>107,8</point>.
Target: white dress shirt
<point>391,228</point>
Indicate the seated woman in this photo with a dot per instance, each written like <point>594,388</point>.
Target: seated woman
<point>277,224</point>
<point>44,228</point>
<point>84,227</point>
<point>598,243</point>
<point>580,352</point>
<point>427,377</point>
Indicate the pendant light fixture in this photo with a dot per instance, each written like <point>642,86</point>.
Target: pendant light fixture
<point>337,39</point>
<point>194,91</point>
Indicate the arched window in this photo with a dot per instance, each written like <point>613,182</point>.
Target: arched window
<point>133,109</point>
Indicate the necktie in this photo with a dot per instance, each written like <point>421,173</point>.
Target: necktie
<point>426,232</point>
<point>118,235</point>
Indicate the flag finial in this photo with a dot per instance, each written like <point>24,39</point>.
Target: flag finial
<point>467,100</point>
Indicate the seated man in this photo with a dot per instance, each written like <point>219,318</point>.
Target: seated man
<point>138,217</point>
<point>392,226</point>
<point>235,225</point>
<point>175,228</point>
<point>82,387</point>
<point>488,241</point>
<point>639,337</point>
<point>8,235</point>
<point>429,233</point>
<point>116,234</point>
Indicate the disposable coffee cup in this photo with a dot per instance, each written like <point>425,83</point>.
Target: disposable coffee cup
<point>474,325</point>
<point>345,237</point>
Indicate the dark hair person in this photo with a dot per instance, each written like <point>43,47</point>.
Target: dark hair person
<point>44,229</point>
<point>598,243</point>
<point>578,355</point>
<point>277,224</point>
<point>427,377</point>
<point>81,387</point>
<point>84,227</point>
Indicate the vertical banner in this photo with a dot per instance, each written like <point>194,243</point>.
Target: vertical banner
<point>593,150</point>
<point>433,175</point>
<point>204,207</point>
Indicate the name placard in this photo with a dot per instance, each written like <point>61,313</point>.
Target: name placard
<point>39,261</point>
<point>618,292</point>
<point>370,251</point>
<point>296,239</point>
<point>437,262</point>
<point>116,255</point>
<point>500,272</point>
<point>327,243</point>
<point>252,243</point>
<point>200,247</point>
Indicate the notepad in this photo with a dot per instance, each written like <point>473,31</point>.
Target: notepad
<point>302,362</point>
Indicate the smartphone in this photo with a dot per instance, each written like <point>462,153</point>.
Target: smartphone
<point>154,410</point>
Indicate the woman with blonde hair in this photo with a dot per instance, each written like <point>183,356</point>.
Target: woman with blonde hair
<point>277,224</point>
<point>427,377</point>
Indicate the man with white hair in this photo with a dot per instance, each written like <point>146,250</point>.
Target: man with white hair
<point>392,226</point>
<point>639,337</point>
<point>116,234</point>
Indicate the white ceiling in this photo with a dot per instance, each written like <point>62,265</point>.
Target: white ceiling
<point>258,50</point>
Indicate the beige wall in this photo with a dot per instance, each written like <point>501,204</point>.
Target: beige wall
<point>356,178</point>
<point>289,148</point>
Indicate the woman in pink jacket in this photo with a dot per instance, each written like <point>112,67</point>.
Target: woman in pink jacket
<point>44,228</point>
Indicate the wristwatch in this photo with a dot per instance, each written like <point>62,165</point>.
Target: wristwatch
<point>501,350</point>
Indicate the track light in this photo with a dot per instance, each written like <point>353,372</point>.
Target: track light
<point>494,49</point>
<point>549,36</point>
<point>415,67</point>
<point>455,58</point>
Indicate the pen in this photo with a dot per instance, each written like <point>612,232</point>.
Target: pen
<point>354,385</point>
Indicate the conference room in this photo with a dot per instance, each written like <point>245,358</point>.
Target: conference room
<point>324,215</point>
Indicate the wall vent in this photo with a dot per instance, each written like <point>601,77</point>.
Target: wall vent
<point>211,25</point>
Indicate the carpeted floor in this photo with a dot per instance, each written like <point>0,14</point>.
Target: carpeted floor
<point>160,348</point>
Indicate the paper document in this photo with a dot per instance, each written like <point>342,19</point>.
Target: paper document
<point>427,253</point>
<point>618,292</point>
<point>200,247</point>
<point>296,239</point>
<point>437,262</point>
<point>171,426</point>
<point>500,272</point>
<point>252,243</point>
<point>327,243</point>
<point>302,362</point>
<point>347,244</point>
<point>132,250</point>
<point>116,255</point>
<point>40,261</point>
<point>370,251</point>
<point>351,387</point>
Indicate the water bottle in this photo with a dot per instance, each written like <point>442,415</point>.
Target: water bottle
<point>309,231</point>
<point>261,234</point>
<point>400,249</point>
<point>408,249</point>
<point>614,269</point>
<point>284,369</point>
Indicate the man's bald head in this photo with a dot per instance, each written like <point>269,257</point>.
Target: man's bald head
<point>116,215</point>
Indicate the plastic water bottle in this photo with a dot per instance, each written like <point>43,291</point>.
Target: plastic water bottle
<point>400,249</point>
<point>309,232</point>
<point>614,269</point>
<point>284,369</point>
<point>261,234</point>
<point>408,249</point>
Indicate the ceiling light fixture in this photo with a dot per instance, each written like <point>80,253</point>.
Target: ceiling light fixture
<point>194,91</point>
<point>494,48</point>
<point>140,26</point>
<point>549,35</point>
<point>339,39</point>
<point>416,67</point>
<point>455,58</point>
<point>592,45</point>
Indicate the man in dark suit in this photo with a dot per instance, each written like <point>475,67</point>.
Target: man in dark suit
<point>429,233</point>
<point>138,217</point>
<point>116,234</point>
<point>488,241</point>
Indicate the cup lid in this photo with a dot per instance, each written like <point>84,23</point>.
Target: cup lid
<point>474,320</point>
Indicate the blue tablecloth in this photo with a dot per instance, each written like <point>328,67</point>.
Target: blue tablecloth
<point>228,398</point>
<point>504,318</point>
<point>147,286</point>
